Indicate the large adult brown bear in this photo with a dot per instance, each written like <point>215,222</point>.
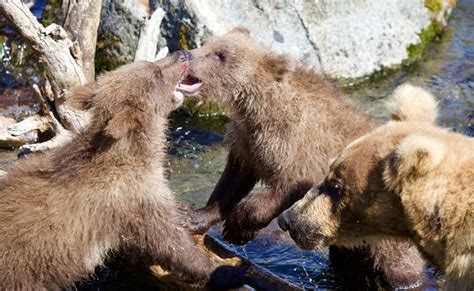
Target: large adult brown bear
<point>287,123</point>
<point>406,179</point>
<point>62,213</point>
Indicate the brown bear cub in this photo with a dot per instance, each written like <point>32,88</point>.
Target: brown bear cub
<point>63,212</point>
<point>287,123</point>
<point>406,179</point>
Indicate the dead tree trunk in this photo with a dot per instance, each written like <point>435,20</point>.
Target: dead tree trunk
<point>66,63</point>
<point>81,23</point>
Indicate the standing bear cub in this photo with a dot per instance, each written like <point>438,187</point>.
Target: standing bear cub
<point>287,123</point>
<point>406,179</point>
<point>64,211</point>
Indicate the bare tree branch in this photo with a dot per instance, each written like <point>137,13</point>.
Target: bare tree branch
<point>51,45</point>
<point>149,35</point>
<point>61,60</point>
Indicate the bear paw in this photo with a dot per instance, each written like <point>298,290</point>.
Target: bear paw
<point>244,222</point>
<point>196,221</point>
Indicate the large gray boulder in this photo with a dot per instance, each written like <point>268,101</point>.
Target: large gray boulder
<point>349,39</point>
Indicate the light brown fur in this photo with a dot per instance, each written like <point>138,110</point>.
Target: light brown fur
<point>406,179</point>
<point>287,123</point>
<point>63,212</point>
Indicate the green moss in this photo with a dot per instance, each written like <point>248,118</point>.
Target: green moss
<point>104,64</point>
<point>426,36</point>
<point>434,6</point>
<point>183,42</point>
<point>193,107</point>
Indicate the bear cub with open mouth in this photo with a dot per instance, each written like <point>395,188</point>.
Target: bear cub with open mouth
<point>64,211</point>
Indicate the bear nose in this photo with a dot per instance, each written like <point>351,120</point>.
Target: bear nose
<point>184,56</point>
<point>283,221</point>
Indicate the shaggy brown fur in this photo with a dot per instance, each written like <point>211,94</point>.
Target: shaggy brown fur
<point>406,179</point>
<point>63,212</point>
<point>287,122</point>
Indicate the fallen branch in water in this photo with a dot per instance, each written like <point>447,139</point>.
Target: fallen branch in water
<point>256,277</point>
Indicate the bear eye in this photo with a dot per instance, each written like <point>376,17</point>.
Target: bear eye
<point>220,56</point>
<point>334,188</point>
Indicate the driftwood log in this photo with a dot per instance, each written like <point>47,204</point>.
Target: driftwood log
<point>61,59</point>
<point>256,277</point>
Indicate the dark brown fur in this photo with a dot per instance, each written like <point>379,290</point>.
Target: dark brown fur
<point>63,212</point>
<point>287,123</point>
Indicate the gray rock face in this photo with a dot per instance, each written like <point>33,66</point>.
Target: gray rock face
<point>359,37</point>
<point>277,24</point>
<point>345,39</point>
<point>120,26</point>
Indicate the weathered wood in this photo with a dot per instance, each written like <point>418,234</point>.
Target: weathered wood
<point>81,23</point>
<point>149,35</point>
<point>56,53</point>
<point>51,45</point>
<point>8,140</point>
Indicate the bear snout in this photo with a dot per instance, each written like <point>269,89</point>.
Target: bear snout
<point>283,221</point>
<point>184,56</point>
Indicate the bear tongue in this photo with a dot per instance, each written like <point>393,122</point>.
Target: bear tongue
<point>189,85</point>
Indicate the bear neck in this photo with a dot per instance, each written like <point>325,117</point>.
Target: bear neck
<point>254,104</point>
<point>265,104</point>
<point>143,148</point>
<point>425,226</point>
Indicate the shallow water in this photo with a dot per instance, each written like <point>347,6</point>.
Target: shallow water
<point>198,156</point>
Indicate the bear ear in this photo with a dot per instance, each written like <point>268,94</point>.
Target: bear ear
<point>80,97</point>
<point>415,156</point>
<point>241,29</point>
<point>275,66</point>
<point>123,123</point>
<point>411,103</point>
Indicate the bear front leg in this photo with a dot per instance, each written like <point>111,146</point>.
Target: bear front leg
<point>193,266</point>
<point>156,238</point>
<point>258,210</point>
<point>389,264</point>
<point>236,182</point>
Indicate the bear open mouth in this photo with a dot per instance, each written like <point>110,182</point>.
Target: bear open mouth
<point>189,85</point>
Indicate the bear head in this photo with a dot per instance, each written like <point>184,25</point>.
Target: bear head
<point>359,199</point>
<point>232,65</point>
<point>133,97</point>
